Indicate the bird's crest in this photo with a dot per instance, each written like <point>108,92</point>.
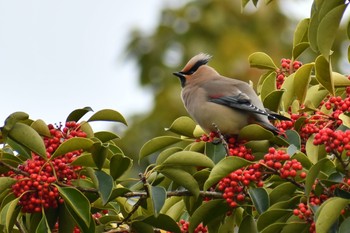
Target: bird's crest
<point>195,62</point>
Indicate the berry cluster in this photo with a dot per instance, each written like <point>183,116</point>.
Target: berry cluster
<point>287,67</point>
<point>279,161</point>
<point>235,185</point>
<point>305,213</point>
<point>37,177</point>
<point>184,225</point>
<point>336,141</point>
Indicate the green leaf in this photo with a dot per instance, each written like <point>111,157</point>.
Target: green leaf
<point>255,132</point>
<point>260,199</point>
<point>85,159</point>
<point>183,126</point>
<point>21,150</point>
<point>137,226</point>
<point>188,158</point>
<point>99,153</point>
<point>181,178</point>
<point>293,138</point>
<point>289,92</point>
<point>301,82</point>
<point>315,96</point>
<point>248,225</point>
<point>119,164</point>
<point>77,114</point>
<point>80,222</point>
<point>12,119</point>
<point>300,33</point>
<point>314,153</point>
<point>163,222</point>
<point>328,213</point>
<point>6,182</point>
<point>156,144</point>
<point>272,216</point>
<point>41,127</point>
<point>105,136</point>
<point>282,192</point>
<point>299,49</point>
<point>345,119</point>
<point>86,127</point>
<point>340,80</point>
<point>268,86</point>
<point>345,226</point>
<point>207,212</point>
<point>158,196</point>
<point>72,144</point>
<point>43,226</point>
<point>28,137</point>
<point>327,29</point>
<point>108,115</point>
<point>9,213</point>
<point>118,192</point>
<point>312,175</point>
<point>324,74</point>
<point>215,151</point>
<point>166,153</point>
<point>273,100</point>
<point>105,185</point>
<point>303,159</point>
<point>224,168</point>
<point>174,207</point>
<point>262,61</point>
<point>65,220</point>
<point>77,202</point>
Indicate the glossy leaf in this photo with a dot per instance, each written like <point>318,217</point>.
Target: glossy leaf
<point>138,226</point>
<point>255,132</point>
<point>345,226</point>
<point>273,100</point>
<point>8,214</point>
<point>12,119</point>
<point>28,137</point>
<point>188,158</point>
<point>206,211</point>
<point>314,153</point>
<point>183,126</point>
<point>158,196</point>
<point>105,136</point>
<point>99,153</point>
<point>327,29</point>
<point>302,79</point>
<point>167,153</point>
<point>181,178</point>
<point>6,182</point>
<point>85,160</point>
<point>248,225</point>
<point>108,115</point>
<point>163,222</point>
<point>43,225</point>
<point>300,33</point>
<point>77,202</point>
<point>175,208</point>
<point>66,221</point>
<point>282,192</point>
<point>324,74</point>
<point>268,86</point>
<point>215,152</point>
<point>157,144</point>
<point>340,80</point>
<point>268,218</point>
<point>261,60</point>
<point>105,185</point>
<point>289,92</point>
<point>312,175</point>
<point>77,114</point>
<point>72,144</point>
<point>329,212</point>
<point>223,168</point>
<point>260,199</point>
<point>314,96</point>
<point>299,49</point>
<point>41,127</point>
<point>119,164</point>
<point>293,138</point>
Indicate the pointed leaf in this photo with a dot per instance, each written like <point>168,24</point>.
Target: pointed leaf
<point>340,80</point>
<point>293,138</point>
<point>255,132</point>
<point>345,226</point>
<point>312,175</point>
<point>314,96</point>
<point>206,213</point>
<point>302,79</point>
<point>105,136</point>
<point>183,126</point>
<point>158,196</point>
<point>28,137</point>
<point>224,168</point>
<point>215,151</point>
<point>41,127</point>
<point>105,185</point>
<point>119,164</point>
<point>327,29</point>
<point>289,92</point>
<point>188,158</point>
<point>6,182</point>
<point>86,127</point>
<point>299,49</point>
<point>163,222</point>
<point>261,60</point>
<point>99,153</point>
<point>268,218</point>
<point>328,213</point>
<point>43,225</point>
<point>77,114</point>
<point>72,144</point>
<point>260,199</point>
<point>12,119</point>
<point>324,74</point>
<point>65,220</point>
<point>167,153</point>
<point>300,33</point>
<point>108,115</point>
<point>156,144</point>
<point>273,100</point>
<point>77,202</point>
<point>248,225</point>
<point>268,86</point>
<point>8,214</point>
<point>181,178</point>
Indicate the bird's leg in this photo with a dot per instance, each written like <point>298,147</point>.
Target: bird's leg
<point>222,138</point>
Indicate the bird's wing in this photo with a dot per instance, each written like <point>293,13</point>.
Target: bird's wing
<point>240,101</point>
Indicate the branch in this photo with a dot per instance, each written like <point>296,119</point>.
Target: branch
<point>14,169</point>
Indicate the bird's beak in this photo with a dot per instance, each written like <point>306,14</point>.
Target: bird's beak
<point>179,74</point>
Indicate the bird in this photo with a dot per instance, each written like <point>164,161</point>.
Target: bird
<point>220,103</point>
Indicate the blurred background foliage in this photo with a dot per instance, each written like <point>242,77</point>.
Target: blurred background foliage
<point>217,27</point>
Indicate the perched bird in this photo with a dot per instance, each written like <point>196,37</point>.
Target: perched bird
<point>214,100</point>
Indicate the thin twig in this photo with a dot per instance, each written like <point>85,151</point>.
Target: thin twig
<point>14,169</point>
<point>223,141</point>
